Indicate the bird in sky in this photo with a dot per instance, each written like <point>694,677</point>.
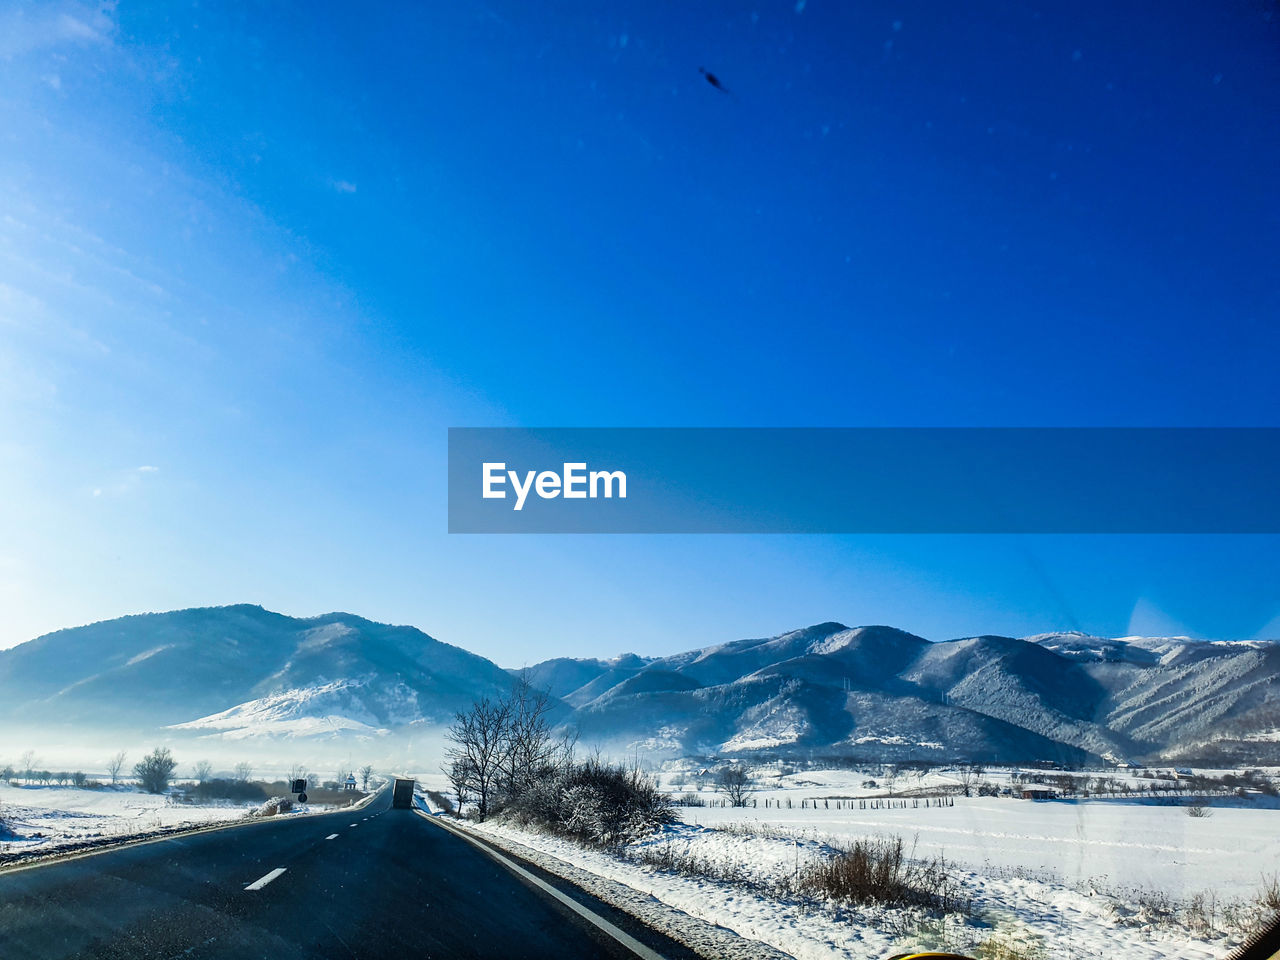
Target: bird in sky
<point>713,79</point>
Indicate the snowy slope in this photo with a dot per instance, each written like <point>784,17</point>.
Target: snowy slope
<point>326,709</point>
<point>879,693</point>
<point>241,664</point>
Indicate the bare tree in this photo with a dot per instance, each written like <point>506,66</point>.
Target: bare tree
<point>966,773</point>
<point>243,771</point>
<point>530,747</point>
<point>735,782</point>
<point>479,738</point>
<point>460,778</point>
<point>154,770</point>
<point>365,773</point>
<point>114,765</point>
<point>27,764</point>
<point>890,777</point>
<point>201,770</point>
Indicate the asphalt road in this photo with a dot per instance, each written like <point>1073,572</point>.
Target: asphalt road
<point>375,883</point>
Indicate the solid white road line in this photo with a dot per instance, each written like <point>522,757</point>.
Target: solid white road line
<point>624,938</point>
<point>332,836</point>
<point>263,881</point>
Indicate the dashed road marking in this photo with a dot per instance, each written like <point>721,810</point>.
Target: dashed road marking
<point>332,836</point>
<point>263,881</point>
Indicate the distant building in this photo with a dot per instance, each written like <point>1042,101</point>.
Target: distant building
<point>350,783</point>
<point>1037,793</point>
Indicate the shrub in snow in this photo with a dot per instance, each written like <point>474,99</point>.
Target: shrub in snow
<point>593,802</point>
<point>440,801</point>
<point>155,769</point>
<point>880,871</point>
<point>218,789</point>
<point>273,806</point>
<point>1012,944</point>
<point>1268,897</point>
<point>504,759</point>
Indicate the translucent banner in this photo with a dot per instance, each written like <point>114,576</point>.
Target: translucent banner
<point>864,480</point>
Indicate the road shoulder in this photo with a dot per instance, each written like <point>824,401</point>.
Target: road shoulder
<point>703,939</point>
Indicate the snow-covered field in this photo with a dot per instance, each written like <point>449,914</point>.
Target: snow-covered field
<point>40,819</point>
<point>1106,842</point>
<point>1037,915</point>
<point>1068,878</point>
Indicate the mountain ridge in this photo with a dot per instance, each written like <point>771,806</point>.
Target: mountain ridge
<point>123,669</point>
<point>870,692</point>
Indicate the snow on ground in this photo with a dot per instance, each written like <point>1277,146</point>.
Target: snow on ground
<point>1107,843</point>
<point>40,819</point>
<point>1103,842</point>
<point>1059,920</point>
<point>793,929</point>
<point>1075,878</point>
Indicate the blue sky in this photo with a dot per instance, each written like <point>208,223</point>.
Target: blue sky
<point>253,265</point>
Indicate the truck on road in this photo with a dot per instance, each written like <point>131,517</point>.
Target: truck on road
<point>402,794</point>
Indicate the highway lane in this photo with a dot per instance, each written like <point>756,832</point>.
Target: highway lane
<point>375,883</point>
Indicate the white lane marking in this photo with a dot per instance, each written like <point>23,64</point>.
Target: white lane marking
<point>332,836</point>
<point>355,824</point>
<point>263,881</point>
<point>624,938</point>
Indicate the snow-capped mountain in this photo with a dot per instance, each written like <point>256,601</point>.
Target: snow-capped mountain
<point>873,693</point>
<point>240,672</point>
<point>1199,699</point>
<point>880,693</point>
